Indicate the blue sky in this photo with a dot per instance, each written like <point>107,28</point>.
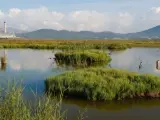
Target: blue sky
<point>70,5</point>
<point>114,15</point>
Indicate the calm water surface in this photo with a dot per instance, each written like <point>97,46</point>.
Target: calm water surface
<point>33,66</point>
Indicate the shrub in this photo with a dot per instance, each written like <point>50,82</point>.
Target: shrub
<point>86,57</point>
<point>117,47</point>
<point>104,84</point>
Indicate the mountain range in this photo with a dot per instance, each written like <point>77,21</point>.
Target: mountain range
<point>152,33</point>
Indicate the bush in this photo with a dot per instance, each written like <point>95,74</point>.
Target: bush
<point>104,84</point>
<point>85,57</point>
<point>117,47</point>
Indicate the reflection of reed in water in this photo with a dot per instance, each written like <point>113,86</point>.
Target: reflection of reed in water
<point>3,61</point>
<point>3,66</point>
<point>158,64</point>
<point>109,65</point>
<point>140,65</point>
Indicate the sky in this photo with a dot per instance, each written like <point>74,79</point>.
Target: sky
<point>120,16</point>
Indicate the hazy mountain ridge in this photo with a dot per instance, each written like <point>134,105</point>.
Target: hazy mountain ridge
<point>64,34</point>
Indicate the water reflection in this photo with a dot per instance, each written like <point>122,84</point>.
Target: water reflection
<point>3,66</point>
<point>140,65</point>
<point>158,64</point>
<point>29,60</point>
<point>114,105</point>
<point>142,60</point>
<point>121,110</point>
<point>30,66</point>
<point>3,61</point>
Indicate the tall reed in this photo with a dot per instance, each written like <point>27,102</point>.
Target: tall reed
<point>14,107</point>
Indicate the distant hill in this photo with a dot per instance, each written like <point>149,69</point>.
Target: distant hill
<point>152,33</point>
<point>64,34</point>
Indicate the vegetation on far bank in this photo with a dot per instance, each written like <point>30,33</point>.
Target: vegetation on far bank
<point>76,44</point>
<point>82,57</point>
<point>104,84</point>
<point>118,46</point>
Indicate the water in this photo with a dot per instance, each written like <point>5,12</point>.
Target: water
<point>131,58</point>
<point>30,67</point>
<point>33,66</point>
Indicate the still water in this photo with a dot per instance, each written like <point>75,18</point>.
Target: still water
<point>33,66</point>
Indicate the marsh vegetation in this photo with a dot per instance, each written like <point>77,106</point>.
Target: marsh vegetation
<point>118,46</point>
<point>76,44</point>
<point>104,84</point>
<point>95,84</point>
<point>82,57</point>
<point>14,107</point>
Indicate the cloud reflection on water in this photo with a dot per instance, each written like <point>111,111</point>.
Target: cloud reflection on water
<point>29,60</point>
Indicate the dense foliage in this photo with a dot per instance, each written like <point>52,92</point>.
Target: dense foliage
<point>104,84</point>
<point>76,44</point>
<point>82,57</point>
<point>117,47</point>
<point>14,107</point>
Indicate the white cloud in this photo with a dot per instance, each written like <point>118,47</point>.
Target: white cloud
<point>23,27</point>
<point>120,22</point>
<point>37,18</point>
<point>156,9</point>
<point>148,19</point>
<point>1,14</point>
<point>13,12</point>
<point>86,20</point>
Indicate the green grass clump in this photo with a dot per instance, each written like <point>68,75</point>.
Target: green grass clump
<point>14,107</point>
<point>104,84</point>
<point>117,47</point>
<point>85,57</point>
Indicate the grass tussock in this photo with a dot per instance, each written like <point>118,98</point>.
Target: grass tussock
<point>117,47</point>
<point>85,57</point>
<point>104,84</point>
<point>13,107</point>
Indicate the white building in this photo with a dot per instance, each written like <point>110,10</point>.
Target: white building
<point>5,34</point>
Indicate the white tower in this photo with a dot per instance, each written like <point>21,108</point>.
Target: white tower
<point>5,27</point>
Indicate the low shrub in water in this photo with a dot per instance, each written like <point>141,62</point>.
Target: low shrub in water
<point>104,84</point>
<point>117,47</point>
<point>80,57</point>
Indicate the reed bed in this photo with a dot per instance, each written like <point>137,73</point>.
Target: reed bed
<point>14,107</point>
<point>104,84</point>
<point>76,44</point>
<point>117,47</point>
<point>82,57</point>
